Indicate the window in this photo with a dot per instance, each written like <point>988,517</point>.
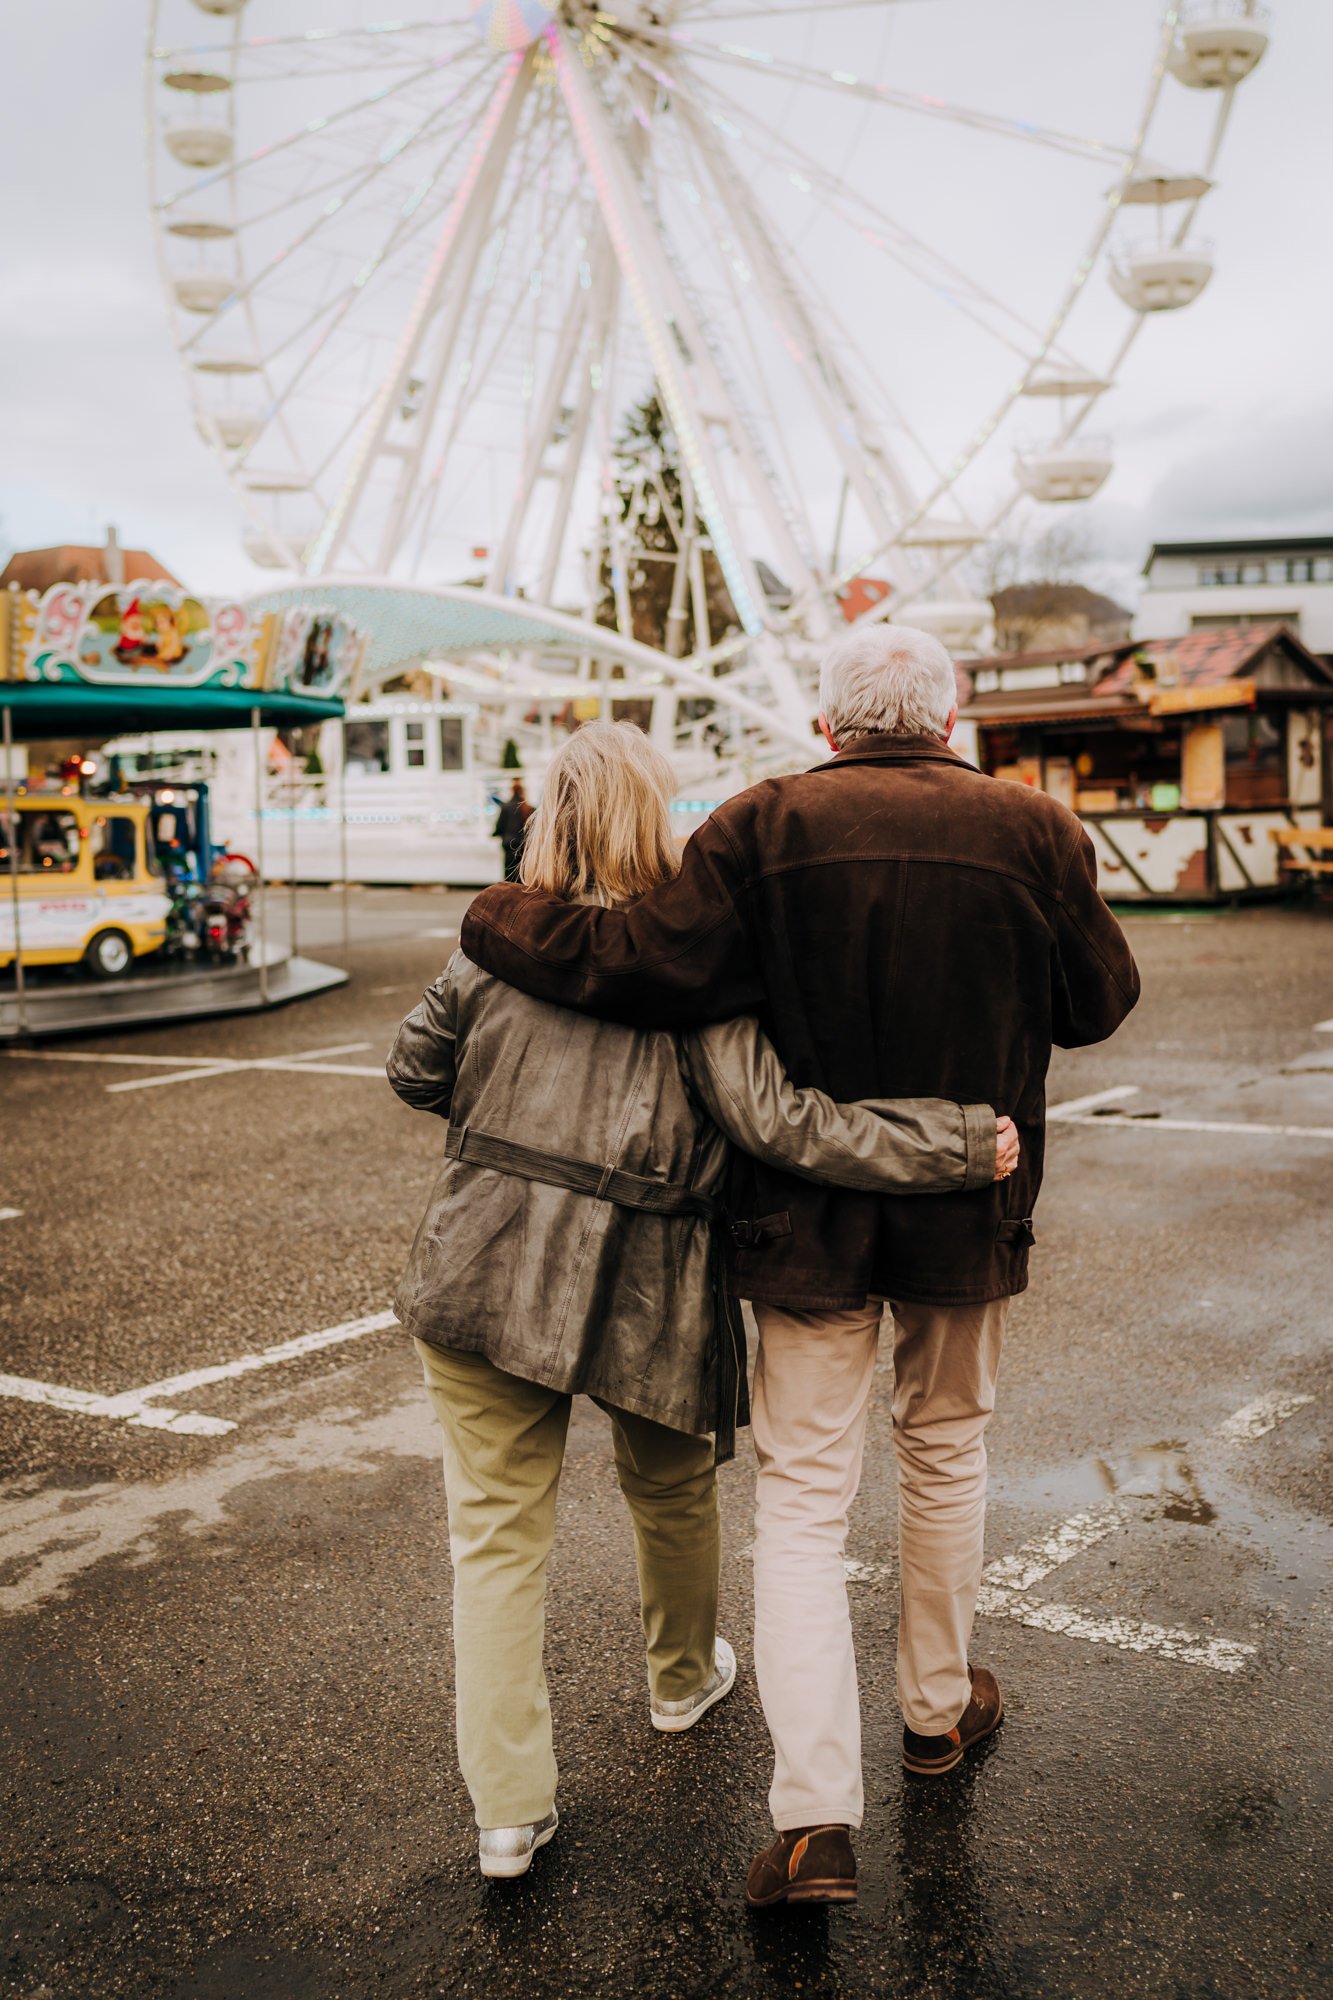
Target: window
<point>48,842</point>
<point>1252,573</point>
<point>1276,571</point>
<point>1323,569</point>
<point>1301,571</point>
<point>451,742</point>
<point>366,748</point>
<point>1256,772</point>
<point>115,847</point>
<point>416,746</point>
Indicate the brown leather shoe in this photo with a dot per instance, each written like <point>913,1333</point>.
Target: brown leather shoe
<point>931,1756</point>
<point>807,1864</point>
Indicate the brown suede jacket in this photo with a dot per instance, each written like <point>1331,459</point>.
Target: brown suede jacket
<point>902,926</point>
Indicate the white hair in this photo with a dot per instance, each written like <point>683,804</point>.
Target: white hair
<point>888,680</point>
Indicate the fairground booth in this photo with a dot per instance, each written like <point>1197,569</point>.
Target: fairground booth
<point>116,904</point>
<point>1199,765</point>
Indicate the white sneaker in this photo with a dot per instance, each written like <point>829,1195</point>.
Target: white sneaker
<point>673,1716</point>
<point>507,1851</point>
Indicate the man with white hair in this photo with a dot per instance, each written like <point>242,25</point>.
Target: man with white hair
<point>902,925</point>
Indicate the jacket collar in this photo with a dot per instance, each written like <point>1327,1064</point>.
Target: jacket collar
<point>896,750</point>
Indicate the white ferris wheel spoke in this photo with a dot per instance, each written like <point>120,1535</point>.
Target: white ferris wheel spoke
<point>315,38</point>
<point>903,242</point>
<point>414,222</point>
<point>761,62</point>
<point>773,10</point>
<point>314,128</point>
<point>360,181</point>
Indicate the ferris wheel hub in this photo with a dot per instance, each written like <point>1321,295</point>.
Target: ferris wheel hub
<point>511,24</point>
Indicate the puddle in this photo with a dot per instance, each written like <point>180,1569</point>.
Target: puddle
<point>1192,1488</point>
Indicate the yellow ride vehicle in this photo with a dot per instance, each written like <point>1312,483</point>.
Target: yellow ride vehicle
<point>89,885</point>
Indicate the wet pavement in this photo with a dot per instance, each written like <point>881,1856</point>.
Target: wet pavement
<point>226,1758</point>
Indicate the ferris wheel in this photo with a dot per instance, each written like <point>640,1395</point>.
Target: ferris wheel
<point>874,260</point>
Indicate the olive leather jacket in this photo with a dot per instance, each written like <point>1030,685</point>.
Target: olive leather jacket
<point>571,1234</point>
<point>902,926</point>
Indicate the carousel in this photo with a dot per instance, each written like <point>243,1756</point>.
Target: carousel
<point>119,906</point>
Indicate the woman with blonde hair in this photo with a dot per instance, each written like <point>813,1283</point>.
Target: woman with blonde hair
<point>572,1246</point>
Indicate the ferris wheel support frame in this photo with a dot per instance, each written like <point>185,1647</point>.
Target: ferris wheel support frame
<point>457,252</point>
<point>666,317</point>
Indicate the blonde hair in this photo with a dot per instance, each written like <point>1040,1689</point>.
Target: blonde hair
<point>603,828</point>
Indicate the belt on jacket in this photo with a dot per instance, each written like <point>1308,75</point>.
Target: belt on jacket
<point>530,1163</point>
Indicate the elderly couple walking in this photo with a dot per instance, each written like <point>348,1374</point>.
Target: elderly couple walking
<point>785,1065</point>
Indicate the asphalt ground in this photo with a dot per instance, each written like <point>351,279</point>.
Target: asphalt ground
<point>226,1736</point>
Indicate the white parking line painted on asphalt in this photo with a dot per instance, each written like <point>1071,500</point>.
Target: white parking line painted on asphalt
<point>292,1068</point>
<point>1035,1561</point>
<point>1129,1635</point>
<point>302,1059</point>
<point>1323,1027</point>
<point>89,1056</point>
<point>1258,1418</point>
<point>1248,1130</point>
<point>54,1536</point>
<point>10,1214</point>
<point>136,1406</point>
<point>1074,1105</point>
<point>1003,1582</point>
<point>857,1571</point>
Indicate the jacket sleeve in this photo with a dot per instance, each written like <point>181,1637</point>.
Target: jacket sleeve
<point>1095,982</point>
<point>681,955</point>
<point>421,1062</point>
<point>907,1145</point>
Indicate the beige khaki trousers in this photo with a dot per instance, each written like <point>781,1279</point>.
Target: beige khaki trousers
<point>812,1389</point>
<point>504,1444</point>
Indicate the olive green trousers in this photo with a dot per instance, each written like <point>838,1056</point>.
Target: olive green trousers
<point>504,1443</point>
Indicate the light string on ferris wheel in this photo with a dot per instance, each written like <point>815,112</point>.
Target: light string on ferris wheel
<point>473,378</point>
<point>764,62</point>
<point>665,361</point>
<point>871,378</point>
<point>324,542</point>
<point>834,192</point>
<point>896,416</point>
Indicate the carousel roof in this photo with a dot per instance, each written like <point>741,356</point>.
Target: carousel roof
<point>74,709</point>
<point>38,569</point>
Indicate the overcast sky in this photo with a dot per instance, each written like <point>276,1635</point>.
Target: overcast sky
<point>1223,421</point>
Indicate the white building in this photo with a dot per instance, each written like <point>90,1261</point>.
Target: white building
<point>1201,586</point>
